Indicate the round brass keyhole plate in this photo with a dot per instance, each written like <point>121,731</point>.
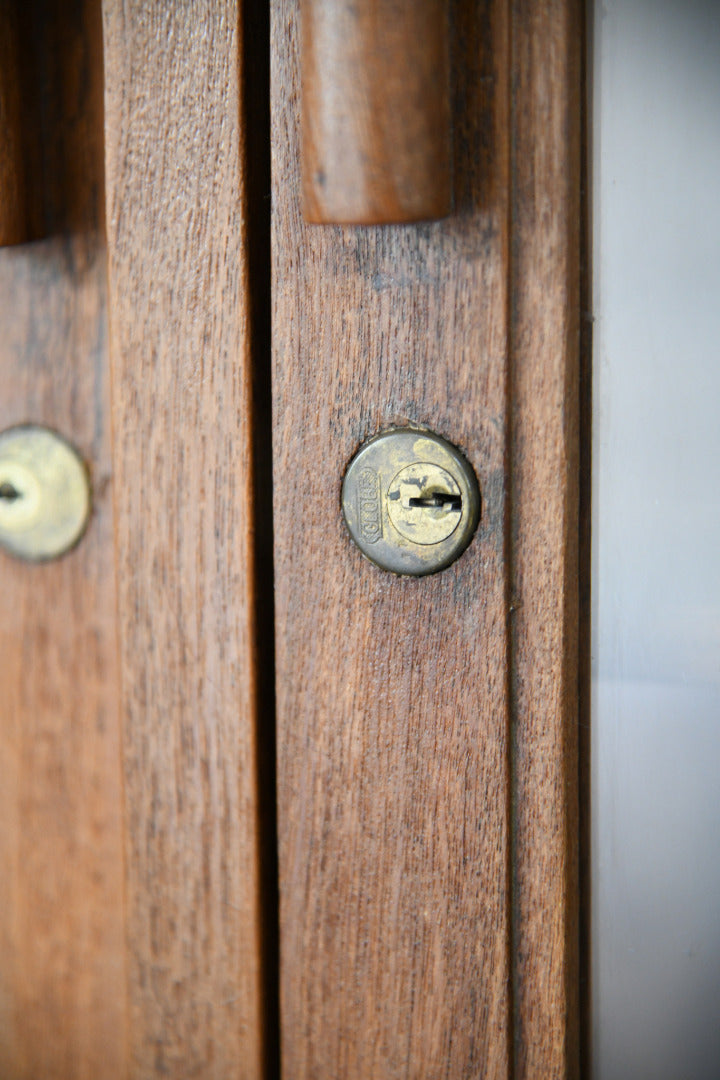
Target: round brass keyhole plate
<point>411,501</point>
<point>44,493</point>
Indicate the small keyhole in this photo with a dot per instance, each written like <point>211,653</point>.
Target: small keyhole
<point>9,493</point>
<point>437,500</point>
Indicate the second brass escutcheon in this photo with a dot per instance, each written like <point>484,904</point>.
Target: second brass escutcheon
<point>411,501</point>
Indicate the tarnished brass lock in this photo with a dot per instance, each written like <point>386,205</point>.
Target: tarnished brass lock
<point>411,501</point>
<point>44,493</point>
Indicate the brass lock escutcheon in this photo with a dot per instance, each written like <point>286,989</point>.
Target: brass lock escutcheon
<point>44,493</point>
<point>411,501</point>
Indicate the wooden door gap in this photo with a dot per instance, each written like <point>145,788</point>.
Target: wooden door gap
<point>255,38</point>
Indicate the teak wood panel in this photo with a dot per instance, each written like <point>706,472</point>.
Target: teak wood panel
<point>62,931</point>
<point>182,395</point>
<point>427,762</point>
<point>392,693</point>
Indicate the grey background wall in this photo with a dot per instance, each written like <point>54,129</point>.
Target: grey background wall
<point>656,540</point>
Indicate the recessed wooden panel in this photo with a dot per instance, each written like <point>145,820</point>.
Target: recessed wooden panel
<point>180,333</point>
<point>393,721</point>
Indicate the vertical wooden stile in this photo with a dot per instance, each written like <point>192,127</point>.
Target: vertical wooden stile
<point>62,931</point>
<point>181,378</point>
<point>393,721</point>
<point>545,532</point>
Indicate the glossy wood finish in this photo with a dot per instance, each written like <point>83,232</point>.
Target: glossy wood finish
<point>62,929</point>
<point>180,351</point>
<point>375,110</point>
<point>427,755</point>
<point>544,534</point>
<point>393,707</point>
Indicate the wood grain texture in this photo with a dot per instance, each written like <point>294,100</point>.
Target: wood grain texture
<point>62,945</point>
<point>13,222</point>
<point>182,451</point>
<point>396,698</point>
<point>375,110</point>
<point>545,467</point>
<point>393,712</point>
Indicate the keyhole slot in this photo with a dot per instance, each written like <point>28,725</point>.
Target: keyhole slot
<point>437,500</point>
<point>8,492</point>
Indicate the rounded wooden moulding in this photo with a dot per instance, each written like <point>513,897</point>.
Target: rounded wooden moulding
<point>375,111</point>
